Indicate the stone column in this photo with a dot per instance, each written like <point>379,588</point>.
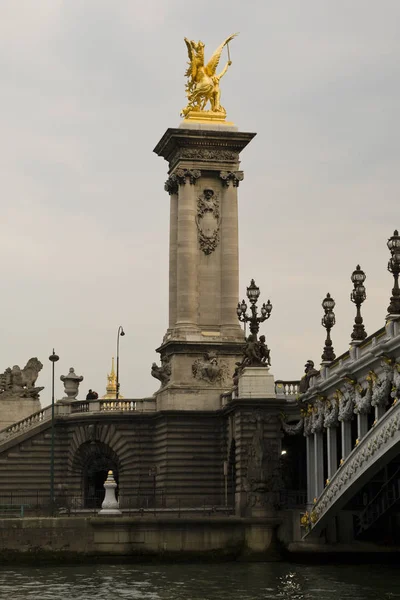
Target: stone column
<point>362,425</point>
<point>332,451</point>
<point>319,462</point>
<point>346,439</point>
<point>379,411</point>
<point>229,251</point>
<point>171,186</point>
<point>187,301</point>
<point>310,469</point>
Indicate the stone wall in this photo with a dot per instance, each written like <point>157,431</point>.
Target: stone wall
<point>16,409</point>
<point>140,538</point>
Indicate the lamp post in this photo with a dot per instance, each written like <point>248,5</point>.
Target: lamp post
<point>357,296</point>
<point>53,358</point>
<point>328,321</point>
<point>253,292</point>
<point>393,244</point>
<point>121,332</point>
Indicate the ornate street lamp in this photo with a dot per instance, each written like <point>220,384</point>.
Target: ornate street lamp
<point>253,293</point>
<point>328,321</point>
<point>53,358</point>
<point>120,333</point>
<point>358,295</point>
<point>394,267</point>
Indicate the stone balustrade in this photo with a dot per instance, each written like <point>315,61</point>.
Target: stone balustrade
<point>72,409</point>
<point>287,388</point>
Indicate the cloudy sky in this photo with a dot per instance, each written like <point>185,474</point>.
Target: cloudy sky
<point>88,87</point>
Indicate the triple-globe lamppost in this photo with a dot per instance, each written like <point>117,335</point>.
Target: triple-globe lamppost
<point>328,321</point>
<point>358,296</point>
<point>393,244</point>
<point>253,293</point>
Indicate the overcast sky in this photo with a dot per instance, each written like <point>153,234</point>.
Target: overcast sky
<point>88,87</point>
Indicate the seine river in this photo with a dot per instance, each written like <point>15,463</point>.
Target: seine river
<point>227,581</point>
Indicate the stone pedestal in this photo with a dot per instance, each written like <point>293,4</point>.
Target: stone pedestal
<point>204,338</point>
<point>256,382</point>
<point>110,505</point>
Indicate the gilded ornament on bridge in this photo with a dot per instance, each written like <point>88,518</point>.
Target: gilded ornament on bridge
<point>208,220</point>
<point>203,82</point>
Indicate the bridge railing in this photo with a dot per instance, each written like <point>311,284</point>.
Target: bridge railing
<point>74,408</point>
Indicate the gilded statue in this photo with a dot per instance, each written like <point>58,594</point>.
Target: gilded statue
<point>203,82</point>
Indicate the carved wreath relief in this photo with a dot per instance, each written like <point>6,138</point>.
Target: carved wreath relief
<point>209,368</point>
<point>208,220</point>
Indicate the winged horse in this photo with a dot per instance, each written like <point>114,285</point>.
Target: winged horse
<point>203,83</point>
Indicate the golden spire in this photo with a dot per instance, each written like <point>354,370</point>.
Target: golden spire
<point>111,385</point>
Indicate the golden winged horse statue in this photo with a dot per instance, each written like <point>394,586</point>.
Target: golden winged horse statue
<point>203,82</point>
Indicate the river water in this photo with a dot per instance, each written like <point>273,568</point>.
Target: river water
<point>224,581</point>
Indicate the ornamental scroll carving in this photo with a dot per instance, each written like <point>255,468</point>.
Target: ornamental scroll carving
<point>204,154</point>
<point>208,220</point>
<point>180,177</point>
<point>231,177</point>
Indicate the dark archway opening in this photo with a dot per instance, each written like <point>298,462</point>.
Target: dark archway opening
<point>94,459</point>
<point>95,474</point>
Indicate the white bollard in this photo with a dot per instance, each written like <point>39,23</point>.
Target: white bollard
<point>110,505</point>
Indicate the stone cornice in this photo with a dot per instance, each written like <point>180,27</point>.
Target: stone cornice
<point>199,347</point>
<point>202,145</point>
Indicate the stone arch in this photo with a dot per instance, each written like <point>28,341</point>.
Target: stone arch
<point>92,461</point>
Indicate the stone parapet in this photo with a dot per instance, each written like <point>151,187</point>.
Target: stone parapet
<point>256,382</point>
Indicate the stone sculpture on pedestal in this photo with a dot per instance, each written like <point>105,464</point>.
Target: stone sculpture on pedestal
<point>20,383</point>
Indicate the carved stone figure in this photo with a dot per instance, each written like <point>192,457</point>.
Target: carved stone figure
<point>71,384</point>
<point>263,475</point>
<point>208,220</point>
<point>382,385</point>
<point>255,353</point>
<point>346,400</point>
<point>162,373</point>
<point>395,393</point>
<point>362,398</point>
<point>20,383</point>
<point>331,412</point>
<point>318,413</point>
<point>203,82</point>
<point>209,369</point>
<point>309,371</point>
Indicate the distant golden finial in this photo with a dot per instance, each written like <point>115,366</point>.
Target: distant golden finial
<point>112,384</point>
<point>203,82</point>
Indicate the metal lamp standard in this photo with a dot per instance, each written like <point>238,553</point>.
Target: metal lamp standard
<point>253,293</point>
<point>328,321</point>
<point>393,244</point>
<point>358,296</point>
<point>53,358</point>
<point>120,333</point>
